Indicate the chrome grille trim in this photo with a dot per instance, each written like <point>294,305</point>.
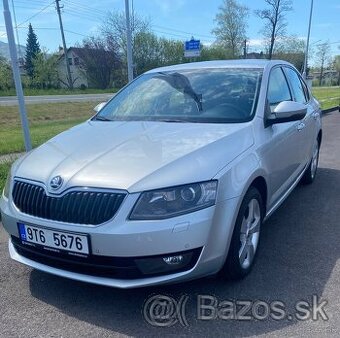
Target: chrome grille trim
<point>76,205</point>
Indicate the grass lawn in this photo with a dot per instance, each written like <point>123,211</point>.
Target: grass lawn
<point>328,96</point>
<point>46,121</point>
<point>4,169</point>
<point>34,92</point>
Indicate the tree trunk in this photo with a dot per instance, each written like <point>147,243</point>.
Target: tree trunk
<point>321,75</point>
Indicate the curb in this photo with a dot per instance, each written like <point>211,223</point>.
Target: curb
<point>329,110</point>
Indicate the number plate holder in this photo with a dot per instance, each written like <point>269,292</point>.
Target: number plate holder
<point>50,244</point>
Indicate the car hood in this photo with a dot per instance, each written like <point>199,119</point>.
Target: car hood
<point>136,155</point>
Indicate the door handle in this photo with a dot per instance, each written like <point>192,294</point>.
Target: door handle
<point>315,115</point>
<point>300,126</point>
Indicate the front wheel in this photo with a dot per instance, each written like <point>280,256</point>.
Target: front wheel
<point>310,173</point>
<point>246,236</point>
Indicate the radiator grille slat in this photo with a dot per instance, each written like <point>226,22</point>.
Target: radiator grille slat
<point>80,207</point>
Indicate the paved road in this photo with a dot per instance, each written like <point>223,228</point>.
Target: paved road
<point>12,100</point>
<point>299,258</point>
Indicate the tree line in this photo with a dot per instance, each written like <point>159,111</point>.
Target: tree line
<point>103,57</point>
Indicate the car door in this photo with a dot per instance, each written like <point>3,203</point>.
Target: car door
<point>283,140</point>
<point>307,130</point>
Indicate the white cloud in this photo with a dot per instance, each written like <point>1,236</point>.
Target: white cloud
<point>168,6</point>
<point>256,42</point>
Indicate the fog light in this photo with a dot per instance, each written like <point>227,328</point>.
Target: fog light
<point>173,260</point>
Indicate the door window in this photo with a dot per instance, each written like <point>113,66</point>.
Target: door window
<point>296,84</point>
<point>278,89</point>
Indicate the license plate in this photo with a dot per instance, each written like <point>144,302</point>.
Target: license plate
<point>49,238</point>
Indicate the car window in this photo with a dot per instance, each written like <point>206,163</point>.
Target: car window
<point>305,89</point>
<point>213,95</point>
<point>296,84</point>
<point>278,89</point>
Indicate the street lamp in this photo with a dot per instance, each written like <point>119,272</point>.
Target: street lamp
<point>16,75</point>
<point>304,73</point>
<point>129,44</point>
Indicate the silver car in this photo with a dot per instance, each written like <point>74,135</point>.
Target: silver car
<point>171,180</point>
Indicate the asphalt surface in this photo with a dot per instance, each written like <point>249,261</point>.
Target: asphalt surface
<point>13,101</point>
<point>298,258</point>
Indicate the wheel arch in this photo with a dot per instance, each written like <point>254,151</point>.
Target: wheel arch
<point>261,185</point>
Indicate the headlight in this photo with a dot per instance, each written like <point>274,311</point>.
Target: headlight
<point>171,202</point>
<point>7,185</point>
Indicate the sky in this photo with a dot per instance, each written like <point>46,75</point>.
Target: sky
<point>177,19</point>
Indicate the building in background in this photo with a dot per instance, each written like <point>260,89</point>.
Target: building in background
<point>78,74</point>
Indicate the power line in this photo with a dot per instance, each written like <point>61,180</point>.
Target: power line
<point>34,15</point>
<point>180,31</point>
<point>78,5</point>
<point>30,18</point>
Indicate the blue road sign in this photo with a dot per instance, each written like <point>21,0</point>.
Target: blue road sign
<point>192,45</point>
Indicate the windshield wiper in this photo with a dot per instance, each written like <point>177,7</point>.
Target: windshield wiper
<point>183,85</point>
<point>101,118</point>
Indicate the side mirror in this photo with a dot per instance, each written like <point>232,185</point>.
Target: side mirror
<point>287,111</point>
<point>99,106</point>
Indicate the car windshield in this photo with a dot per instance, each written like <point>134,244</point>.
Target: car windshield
<point>224,95</point>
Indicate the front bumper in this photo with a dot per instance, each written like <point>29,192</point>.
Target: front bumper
<point>206,232</point>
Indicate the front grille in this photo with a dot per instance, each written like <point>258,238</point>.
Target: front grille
<point>80,207</point>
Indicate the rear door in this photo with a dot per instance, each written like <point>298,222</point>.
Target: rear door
<point>308,124</point>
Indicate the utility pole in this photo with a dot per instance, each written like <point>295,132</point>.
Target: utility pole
<point>304,73</point>
<point>128,45</point>
<point>69,77</point>
<point>16,75</point>
<point>245,49</point>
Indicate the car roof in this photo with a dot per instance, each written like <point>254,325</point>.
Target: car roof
<point>241,63</point>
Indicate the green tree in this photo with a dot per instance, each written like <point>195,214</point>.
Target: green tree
<point>45,71</point>
<point>114,29</point>
<point>322,58</point>
<point>148,52</point>
<point>275,21</point>
<point>6,79</point>
<point>291,49</point>
<point>172,51</point>
<point>215,52</point>
<point>32,51</point>
<point>231,26</point>
<point>98,60</point>
<point>336,65</point>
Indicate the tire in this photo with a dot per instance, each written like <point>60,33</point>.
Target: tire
<point>311,171</point>
<point>246,235</point>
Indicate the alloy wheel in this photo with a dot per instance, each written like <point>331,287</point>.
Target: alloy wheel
<point>250,233</point>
